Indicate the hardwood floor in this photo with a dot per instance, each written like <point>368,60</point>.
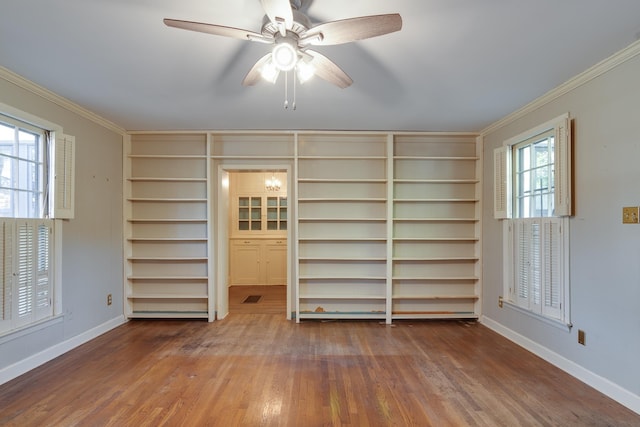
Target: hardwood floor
<point>262,370</point>
<point>273,299</point>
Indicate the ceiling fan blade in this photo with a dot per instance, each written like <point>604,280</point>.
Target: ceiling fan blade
<point>218,30</point>
<point>278,11</point>
<point>349,30</point>
<point>254,76</point>
<point>327,70</point>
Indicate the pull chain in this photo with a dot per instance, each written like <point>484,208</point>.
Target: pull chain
<point>294,91</point>
<point>286,90</point>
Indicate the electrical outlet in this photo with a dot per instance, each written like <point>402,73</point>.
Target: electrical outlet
<point>581,337</point>
<point>109,299</point>
<point>630,215</point>
<point>500,302</point>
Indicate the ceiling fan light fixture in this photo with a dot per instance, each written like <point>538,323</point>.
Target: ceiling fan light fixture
<point>284,55</point>
<point>270,71</point>
<point>305,71</point>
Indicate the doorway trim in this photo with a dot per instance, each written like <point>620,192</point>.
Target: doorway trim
<point>221,231</point>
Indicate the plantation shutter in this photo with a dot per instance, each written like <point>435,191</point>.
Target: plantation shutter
<point>64,176</point>
<point>501,180</point>
<point>562,178</point>
<point>43,297</point>
<point>522,273</point>
<point>32,300</point>
<point>552,269</point>
<point>24,303</point>
<point>535,262</point>
<point>6,272</point>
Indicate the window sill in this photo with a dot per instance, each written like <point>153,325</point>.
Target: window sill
<point>549,321</point>
<point>29,329</point>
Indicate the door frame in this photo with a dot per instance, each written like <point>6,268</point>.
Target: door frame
<point>221,230</point>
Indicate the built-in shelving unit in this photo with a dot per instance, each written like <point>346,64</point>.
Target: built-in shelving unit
<point>342,226</point>
<point>167,226</point>
<point>374,225</point>
<point>435,272</point>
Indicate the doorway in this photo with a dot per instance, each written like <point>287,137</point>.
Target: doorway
<point>255,240</point>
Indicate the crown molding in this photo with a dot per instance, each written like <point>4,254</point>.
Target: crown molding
<point>23,83</point>
<point>597,70</point>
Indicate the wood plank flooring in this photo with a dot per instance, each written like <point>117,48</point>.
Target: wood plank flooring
<point>273,299</point>
<point>262,370</point>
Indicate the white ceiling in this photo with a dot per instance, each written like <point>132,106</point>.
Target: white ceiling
<point>456,65</point>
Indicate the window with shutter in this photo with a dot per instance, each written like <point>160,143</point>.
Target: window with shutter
<point>36,188</point>
<point>534,198</point>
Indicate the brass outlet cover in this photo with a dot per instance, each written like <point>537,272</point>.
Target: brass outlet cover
<point>630,215</point>
<point>581,337</point>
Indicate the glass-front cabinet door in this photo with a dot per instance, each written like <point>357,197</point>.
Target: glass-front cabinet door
<point>249,213</point>
<point>276,213</point>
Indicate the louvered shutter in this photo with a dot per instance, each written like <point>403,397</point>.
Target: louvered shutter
<point>6,273</point>
<point>562,178</point>
<point>24,299</point>
<point>64,176</point>
<point>552,305</point>
<point>43,297</point>
<point>501,180</point>
<point>535,261</point>
<point>522,272</point>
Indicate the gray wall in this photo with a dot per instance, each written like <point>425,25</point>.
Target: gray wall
<point>604,253</point>
<point>92,262</point>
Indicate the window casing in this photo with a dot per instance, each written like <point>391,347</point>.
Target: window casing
<point>36,190</point>
<point>533,197</point>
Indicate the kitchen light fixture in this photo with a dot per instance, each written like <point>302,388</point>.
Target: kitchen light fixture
<point>273,184</point>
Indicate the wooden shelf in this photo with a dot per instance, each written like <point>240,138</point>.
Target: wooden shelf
<point>164,179</point>
<point>167,239</point>
<point>339,278</point>
<point>168,259</point>
<point>165,200</point>
<point>435,181</point>
<point>421,200</point>
<point>435,279</point>
<point>435,219</point>
<point>166,296</point>
<point>344,180</point>
<point>342,297</point>
<point>358,158</point>
<point>167,156</point>
<point>168,315</point>
<point>342,220</point>
<point>341,200</point>
<point>435,297</point>
<point>167,220</point>
<point>434,158</point>
<point>171,278</point>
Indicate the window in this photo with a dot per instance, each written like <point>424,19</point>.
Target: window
<point>22,170</point>
<point>36,189</point>
<point>533,197</point>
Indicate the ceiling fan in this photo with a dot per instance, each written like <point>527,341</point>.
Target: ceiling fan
<point>291,33</point>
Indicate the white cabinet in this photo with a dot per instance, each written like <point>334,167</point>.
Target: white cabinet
<point>258,262</point>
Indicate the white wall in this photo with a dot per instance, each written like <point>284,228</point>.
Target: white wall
<point>605,254</point>
<point>92,264</point>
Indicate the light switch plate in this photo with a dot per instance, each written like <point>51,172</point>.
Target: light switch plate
<point>630,215</point>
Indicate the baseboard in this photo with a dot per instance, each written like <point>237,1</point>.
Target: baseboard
<point>603,385</point>
<point>32,362</point>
